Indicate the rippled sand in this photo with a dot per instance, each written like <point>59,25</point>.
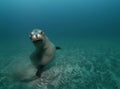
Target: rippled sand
<point>76,66</point>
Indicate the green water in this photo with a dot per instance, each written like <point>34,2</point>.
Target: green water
<point>88,31</point>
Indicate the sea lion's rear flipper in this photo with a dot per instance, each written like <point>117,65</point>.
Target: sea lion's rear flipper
<point>57,47</point>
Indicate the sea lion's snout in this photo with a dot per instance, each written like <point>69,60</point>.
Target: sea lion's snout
<point>36,35</point>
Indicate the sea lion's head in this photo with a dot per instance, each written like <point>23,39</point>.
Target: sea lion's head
<point>37,35</point>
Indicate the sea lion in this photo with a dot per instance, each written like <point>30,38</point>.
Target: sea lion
<point>44,52</point>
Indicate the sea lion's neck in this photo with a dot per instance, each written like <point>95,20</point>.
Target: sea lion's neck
<point>41,45</point>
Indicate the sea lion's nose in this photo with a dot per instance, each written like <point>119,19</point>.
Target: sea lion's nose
<point>38,36</point>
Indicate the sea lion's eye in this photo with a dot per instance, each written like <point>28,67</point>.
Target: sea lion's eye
<point>42,33</point>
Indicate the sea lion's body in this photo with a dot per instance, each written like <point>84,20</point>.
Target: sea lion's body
<point>43,55</point>
<point>44,52</point>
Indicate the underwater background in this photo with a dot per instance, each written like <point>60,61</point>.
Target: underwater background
<point>88,31</point>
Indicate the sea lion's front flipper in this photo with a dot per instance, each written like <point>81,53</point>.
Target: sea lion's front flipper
<point>57,47</point>
<point>39,70</point>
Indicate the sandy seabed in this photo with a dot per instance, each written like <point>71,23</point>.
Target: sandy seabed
<point>76,66</point>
